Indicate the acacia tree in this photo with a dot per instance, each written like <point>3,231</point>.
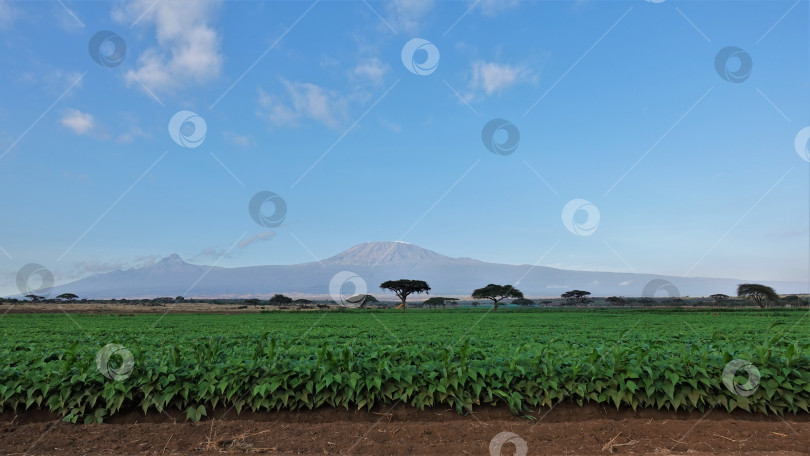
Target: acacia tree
<point>576,297</point>
<point>437,301</point>
<point>523,302</point>
<point>496,293</point>
<point>67,297</point>
<point>405,287</point>
<point>616,300</point>
<point>279,299</point>
<point>760,294</point>
<point>719,298</point>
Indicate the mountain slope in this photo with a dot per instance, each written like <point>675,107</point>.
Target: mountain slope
<point>376,262</point>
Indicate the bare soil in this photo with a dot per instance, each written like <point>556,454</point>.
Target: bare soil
<point>403,430</point>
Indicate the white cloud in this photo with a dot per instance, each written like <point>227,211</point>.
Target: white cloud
<point>7,14</point>
<point>269,234</point>
<point>75,176</point>
<point>239,140</point>
<point>89,267</point>
<point>393,126</point>
<point>188,50</point>
<point>491,77</point>
<point>211,253</point>
<point>372,70</point>
<point>408,15</point>
<point>132,132</point>
<point>81,123</point>
<point>624,283</point>
<point>54,80</point>
<point>129,128</point>
<point>67,19</point>
<point>493,7</point>
<point>303,101</point>
<point>218,253</point>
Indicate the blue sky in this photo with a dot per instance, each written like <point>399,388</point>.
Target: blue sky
<point>616,103</point>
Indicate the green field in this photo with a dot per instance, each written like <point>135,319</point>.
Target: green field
<point>671,359</point>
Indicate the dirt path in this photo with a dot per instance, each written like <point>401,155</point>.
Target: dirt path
<point>401,430</point>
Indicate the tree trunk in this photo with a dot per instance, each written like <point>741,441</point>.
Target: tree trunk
<point>403,305</point>
<point>495,305</point>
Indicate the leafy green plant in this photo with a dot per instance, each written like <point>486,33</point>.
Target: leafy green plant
<point>293,361</point>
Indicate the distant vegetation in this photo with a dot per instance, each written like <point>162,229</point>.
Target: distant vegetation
<point>404,288</point>
<point>760,294</point>
<point>439,301</point>
<point>280,299</point>
<point>576,297</point>
<point>497,293</point>
<point>747,295</point>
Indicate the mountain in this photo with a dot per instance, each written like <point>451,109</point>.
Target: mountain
<point>376,262</point>
<point>389,253</point>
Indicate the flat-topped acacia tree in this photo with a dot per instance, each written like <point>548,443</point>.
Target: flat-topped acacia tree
<point>576,297</point>
<point>437,301</point>
<point>496,293</point>
<point>404,287</point>
<point>763,295</point>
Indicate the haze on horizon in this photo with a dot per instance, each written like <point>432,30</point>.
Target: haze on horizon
<point>594,136</point>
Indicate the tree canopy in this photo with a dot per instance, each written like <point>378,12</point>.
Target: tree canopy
<point>67,297</point>
<point>405,287</point>
<point>792,300</point>
<point>496,293</point>
<point>576,297</point>
<point>761,294</point>
<point>280,299</point>
<point>437,301</point>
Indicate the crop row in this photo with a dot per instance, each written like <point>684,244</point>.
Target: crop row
<point>287,374</point>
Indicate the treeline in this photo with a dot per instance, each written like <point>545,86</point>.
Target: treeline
<point>761,295</point>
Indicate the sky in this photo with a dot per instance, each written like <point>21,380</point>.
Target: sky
<point>645,136</point>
